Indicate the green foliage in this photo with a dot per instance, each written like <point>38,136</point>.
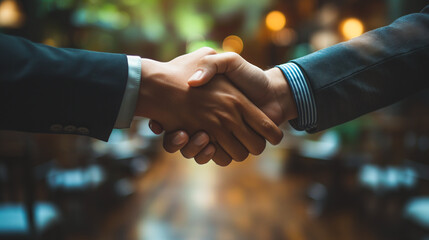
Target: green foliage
<point>169,25</point>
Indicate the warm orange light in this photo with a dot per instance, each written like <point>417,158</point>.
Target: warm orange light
<point>233,44</point>
<point>50,41</point>
<point>284,37</point>
<point>323,39</point>
<point>10,15</point>
<point>275,21</point>
<point>351,28</point>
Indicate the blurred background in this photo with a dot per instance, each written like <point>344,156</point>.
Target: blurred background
<point>366,179</point>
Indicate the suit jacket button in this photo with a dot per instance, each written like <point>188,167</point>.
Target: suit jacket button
<point>83,130</point>
<point>70,128</point>
<point>56,128</point>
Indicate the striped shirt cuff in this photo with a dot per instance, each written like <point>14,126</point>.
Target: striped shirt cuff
<point>304,99</point>
<point>129,101</point>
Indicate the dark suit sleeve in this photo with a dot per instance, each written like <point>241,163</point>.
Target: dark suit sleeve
<point>53,90</point>
<point>369,72</point>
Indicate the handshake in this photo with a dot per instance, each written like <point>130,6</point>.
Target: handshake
<point>214,106</point>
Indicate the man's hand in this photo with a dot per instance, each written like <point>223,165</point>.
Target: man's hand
<point>234,125</point>
<point>269,90</point>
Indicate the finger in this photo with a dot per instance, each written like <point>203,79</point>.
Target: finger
<point>197,143</point>
<point>206,154</point>
<point>223,63</point>
<point>206,51</point>
<point>232,146</point>
<point>156,127</point>
<point>220,157</point>
<point>253,142</point>
<point>259,122</point>
<point>192,59</point>
<point>175,141</point>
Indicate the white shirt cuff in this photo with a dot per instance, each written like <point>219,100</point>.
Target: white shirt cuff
<point>129,101</point>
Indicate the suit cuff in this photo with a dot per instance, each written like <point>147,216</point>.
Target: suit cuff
<point>129,101</point>
<point>304,99</point>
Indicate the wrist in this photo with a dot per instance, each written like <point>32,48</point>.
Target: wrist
<point>160,89</point>
<point>146,103</point>
<point>283,93</point>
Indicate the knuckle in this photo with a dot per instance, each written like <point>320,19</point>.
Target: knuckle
<point>204,60</point>
<point>231,102</point>
<point>200,140</point>
<point>233,55</point>
<point>208,50</point>
<point>222,117</point>
<point>234,101</point>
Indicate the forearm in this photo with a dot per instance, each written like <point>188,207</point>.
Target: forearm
<point>41,86</point>
<point>370,71</point>
<point>284,94</point>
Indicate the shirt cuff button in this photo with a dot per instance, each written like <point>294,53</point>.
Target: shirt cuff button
<point>70,129</point>
<point>56,128</point>
<point>83,130</point>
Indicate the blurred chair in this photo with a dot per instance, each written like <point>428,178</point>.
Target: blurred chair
<point>21,216</point>
<point>416,210</point>
<point>15,225</point>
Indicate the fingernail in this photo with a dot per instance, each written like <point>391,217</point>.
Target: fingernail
<point>200,140</point>
<point>208,151</point>
<point>197,76</point>
<point>179,139</point>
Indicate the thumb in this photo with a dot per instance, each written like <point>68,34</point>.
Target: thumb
<point>199,78</point>
<point>209,66</point>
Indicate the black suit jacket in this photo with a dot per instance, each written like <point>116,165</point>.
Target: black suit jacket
<point>54,90</point>
<point>369,72</point>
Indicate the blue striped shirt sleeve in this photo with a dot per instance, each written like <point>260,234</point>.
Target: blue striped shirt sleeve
<point>304,99</point>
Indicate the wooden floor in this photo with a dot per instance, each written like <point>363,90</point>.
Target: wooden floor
<point>179,199</point>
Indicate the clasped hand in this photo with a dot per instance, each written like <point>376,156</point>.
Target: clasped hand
<point>224,123</point>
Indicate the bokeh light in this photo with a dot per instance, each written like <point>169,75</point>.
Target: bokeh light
<point>328,15</point>
<point>147,193</point>
<point>284,37</point>
<point>275,21</point>
<point>233,44</point>
<point>351,28</point>
<point>323,39</point>
<point>51,42</point>
<point>197,44</point>
<point>190,23</point>
<point>10,14</point>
